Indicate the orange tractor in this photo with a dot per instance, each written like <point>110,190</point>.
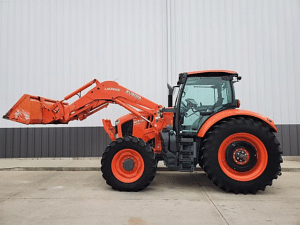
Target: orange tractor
<point>236,148</point>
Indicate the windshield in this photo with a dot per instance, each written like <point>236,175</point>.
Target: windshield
<point>202,94</point>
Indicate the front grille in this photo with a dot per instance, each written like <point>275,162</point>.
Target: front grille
<point>127,128</point>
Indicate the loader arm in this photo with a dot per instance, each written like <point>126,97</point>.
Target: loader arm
<point>37,110</point>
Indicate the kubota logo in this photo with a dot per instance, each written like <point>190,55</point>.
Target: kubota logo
<point>133,95</point>
<point>136,122</point>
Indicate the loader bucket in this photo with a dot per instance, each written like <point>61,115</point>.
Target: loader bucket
<point>30,109</point>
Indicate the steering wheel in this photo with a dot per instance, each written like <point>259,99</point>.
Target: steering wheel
<point>191,103</point>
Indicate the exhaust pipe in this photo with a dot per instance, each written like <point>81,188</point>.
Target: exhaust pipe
<point>170,96</point>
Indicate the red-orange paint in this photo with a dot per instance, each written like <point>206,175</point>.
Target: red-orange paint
<point>212,71</point>
<point>231,113</point>
<point>109,129</point>
<point>118,170</point>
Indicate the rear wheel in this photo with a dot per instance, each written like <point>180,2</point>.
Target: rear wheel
<point>241,155</point>
<point>128,164</point>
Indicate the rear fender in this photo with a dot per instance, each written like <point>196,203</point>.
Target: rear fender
<point>233,113</point>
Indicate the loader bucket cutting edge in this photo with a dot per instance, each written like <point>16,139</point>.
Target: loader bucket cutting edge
<point>29,110</point>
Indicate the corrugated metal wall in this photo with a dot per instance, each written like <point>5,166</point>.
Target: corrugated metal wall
<point>258,38</point>
<point>53,142</point>
<point>51,47</point>
<point>90,141</point>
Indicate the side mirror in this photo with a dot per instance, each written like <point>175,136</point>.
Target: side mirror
<point>170,89</point>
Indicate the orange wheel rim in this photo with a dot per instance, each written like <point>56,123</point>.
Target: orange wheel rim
<point>242,157</point>
<point>127,165</point>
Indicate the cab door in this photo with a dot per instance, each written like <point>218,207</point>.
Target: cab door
<point>201,97</point>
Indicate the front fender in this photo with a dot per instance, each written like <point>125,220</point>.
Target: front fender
<point>233,113</point>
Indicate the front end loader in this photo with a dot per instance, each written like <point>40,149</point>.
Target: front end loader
<point>236,148</point>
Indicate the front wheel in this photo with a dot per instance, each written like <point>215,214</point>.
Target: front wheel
<point>128,164</point>
<point>241,155</point>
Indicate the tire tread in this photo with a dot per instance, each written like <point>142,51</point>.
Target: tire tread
<point>208,144</point>
<point>111,180</point>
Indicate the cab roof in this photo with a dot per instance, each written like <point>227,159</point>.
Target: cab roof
<point>210,72</point>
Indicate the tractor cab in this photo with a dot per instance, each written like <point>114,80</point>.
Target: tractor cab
<point>202,94</point>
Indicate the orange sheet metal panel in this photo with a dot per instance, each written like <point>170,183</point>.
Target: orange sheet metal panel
<point>230,113</point>
<point>29,109</point>
<point>212,71</point>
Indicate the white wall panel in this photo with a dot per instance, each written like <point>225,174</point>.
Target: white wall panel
<point>258,39</point>
<point>50,48</point>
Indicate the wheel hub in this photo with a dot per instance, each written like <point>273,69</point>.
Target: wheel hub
<point>128,164</point>
<point>241,156</point>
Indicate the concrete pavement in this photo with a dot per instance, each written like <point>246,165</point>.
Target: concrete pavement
<point>290,164</point>
<point>82,197</point>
